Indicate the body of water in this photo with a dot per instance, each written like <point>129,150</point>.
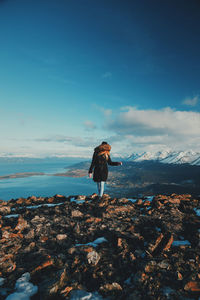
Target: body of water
<point>43,185</point>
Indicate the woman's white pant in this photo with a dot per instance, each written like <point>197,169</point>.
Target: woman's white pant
<point>100,187</point>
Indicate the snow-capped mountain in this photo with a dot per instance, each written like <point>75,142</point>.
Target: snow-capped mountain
<point>169,157</point>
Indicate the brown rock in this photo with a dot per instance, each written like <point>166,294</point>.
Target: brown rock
<point>76,213</point>
<point>21,201</point>
<point>111,287</point>
<point>43,239</point>
<point>174,201</point>
<point>87,249</point>
<point>5,210</point>
<point>59,196</point>
<point>50,200</point>
<point>61,237</point>
<point>66,291</point>
<point>192,286</point>
<point>169,243</point>
<point>93,220</point>
<point>10,235</point>
<point>80,197</point>
<point>93,258</point>
<point>6,263</point>
<point>43,266</point>
<point>147,203</point>
<point>139,202</point>
<point>22,224</point>
<point>93,196</point>
<point>158,240</point>
<point>33,198</point>
<point>179,275</point>
<point>30,234</point>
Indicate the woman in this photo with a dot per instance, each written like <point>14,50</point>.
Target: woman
<point>101,159</point>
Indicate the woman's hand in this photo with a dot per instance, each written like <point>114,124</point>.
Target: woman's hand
<point>120,163</point>
<point>90,175</point>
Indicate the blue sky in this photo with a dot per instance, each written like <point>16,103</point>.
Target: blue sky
<point>75,73</point>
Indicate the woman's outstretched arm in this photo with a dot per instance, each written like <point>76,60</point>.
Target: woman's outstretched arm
<point>113,163</point>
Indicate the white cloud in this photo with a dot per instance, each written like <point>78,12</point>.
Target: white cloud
<point>191,101</point>
<point>107,75</point>
<point>161,128</point>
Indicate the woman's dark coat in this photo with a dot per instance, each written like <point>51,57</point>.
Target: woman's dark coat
<point>100,165</point>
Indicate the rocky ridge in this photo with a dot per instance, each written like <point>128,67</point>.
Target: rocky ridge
<point>113,248</point>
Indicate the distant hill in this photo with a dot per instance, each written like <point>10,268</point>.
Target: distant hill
<point>149,177</point>
<point>34,160</point>
<point>152,177</point>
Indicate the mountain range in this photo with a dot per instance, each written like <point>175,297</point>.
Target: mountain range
<point>168,157</point>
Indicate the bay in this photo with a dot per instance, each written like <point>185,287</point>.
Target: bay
<point>41,185</point>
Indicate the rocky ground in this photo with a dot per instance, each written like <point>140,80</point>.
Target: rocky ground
<point>114,248</point>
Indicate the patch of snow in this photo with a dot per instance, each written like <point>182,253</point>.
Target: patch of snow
<point>93,244</point>
<point>12,216</point>
<point>83,295</point>
<point>76,201</point>
<point>24,289</point>
<point>132,200</point>
<point>46,204</point>
<point>181,243</point>
<point>53,204</point>
<point>197,211</point>
<point>39,205</point>
<point>149,198</point>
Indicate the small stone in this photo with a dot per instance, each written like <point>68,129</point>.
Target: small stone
<point>80,197</point>
<point>5,210</point>
<point>61,237</point>
<point>111,287</point>
<point>139,202</point>
<point>179,275</point>
<point>93,258</point>
<point>147,203</point>
<point>72,250</point>
<point>93,196</point>
<point>163,265</point>
<point>59,196</point>
<point>76,213</point>
<point>22,224</point>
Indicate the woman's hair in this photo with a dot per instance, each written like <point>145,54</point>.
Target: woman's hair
<point>103,149</point>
